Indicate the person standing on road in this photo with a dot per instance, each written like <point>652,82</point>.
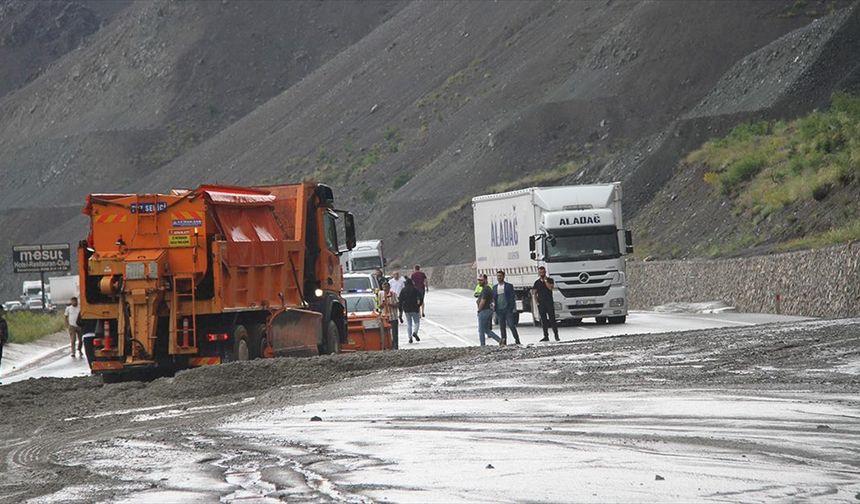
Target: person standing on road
<point>380,278</point>
<point>4,332</point>
<point>71,316</point>
<point>411,302</point>
<point>505,301</point>
<point>397,282</point>
<point>485,313</point>
<point>420,281</point>
<point>390,304</point>
<point>542,295</point>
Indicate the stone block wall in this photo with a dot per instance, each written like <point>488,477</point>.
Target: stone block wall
<point>813,283</point>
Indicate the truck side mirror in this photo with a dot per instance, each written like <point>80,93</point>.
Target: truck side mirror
<point>533,256</point>
<point>628,238</point>
<point>532,245</point>
<point>349,225</point>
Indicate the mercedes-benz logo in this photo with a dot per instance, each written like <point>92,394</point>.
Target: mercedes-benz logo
<point>583,277</point>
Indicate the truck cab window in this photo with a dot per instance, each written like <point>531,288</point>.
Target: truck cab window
<point>583,245</point>
<point>331,232</point>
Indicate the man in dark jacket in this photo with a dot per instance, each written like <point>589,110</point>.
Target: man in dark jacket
<point>410,301</point>
<point>505,301</point>
<point>546,309</point>
<point>4,332</point>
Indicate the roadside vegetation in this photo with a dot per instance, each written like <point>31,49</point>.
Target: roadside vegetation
<point>26,326</point>
<point>767,166</point>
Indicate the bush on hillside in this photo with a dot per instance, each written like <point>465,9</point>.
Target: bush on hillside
<point>766,166</point>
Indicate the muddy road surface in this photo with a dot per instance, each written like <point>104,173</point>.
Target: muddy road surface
<point>764,413</point>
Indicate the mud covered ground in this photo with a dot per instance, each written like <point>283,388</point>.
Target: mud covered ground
<point>461,424</point>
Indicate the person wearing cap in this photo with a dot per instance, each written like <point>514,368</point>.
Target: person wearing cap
<point>4,331</point>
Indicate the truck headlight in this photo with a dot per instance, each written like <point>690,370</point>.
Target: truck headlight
<point>616,302</point>
<point>619,278</point>
<point>557,306</point>
<point>318,293</point>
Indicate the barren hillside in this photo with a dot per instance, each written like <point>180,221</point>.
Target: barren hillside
<point>408,108</point>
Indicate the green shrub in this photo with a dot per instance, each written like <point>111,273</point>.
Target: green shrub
<point>401,179</point>
<point>740,171</point>
<point>27,326</point>
<point>368,195</point>
<point>767,166</point>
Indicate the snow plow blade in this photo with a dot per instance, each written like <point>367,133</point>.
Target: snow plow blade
<point>296,333</point>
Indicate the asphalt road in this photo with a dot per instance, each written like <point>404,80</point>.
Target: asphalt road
<point>734,412</point>
<point>450,322</point>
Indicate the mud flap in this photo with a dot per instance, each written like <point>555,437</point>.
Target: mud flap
<point>295,333</point>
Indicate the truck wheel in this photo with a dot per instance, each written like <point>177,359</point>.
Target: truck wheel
<point>600,320</point>
<point>241,348</point>
<point>331,340</point>
<point>575,321</point>
<point>618,320</point>
<point>257,341</point>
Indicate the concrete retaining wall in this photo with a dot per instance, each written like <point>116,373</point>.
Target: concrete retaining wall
<point>814,283</point>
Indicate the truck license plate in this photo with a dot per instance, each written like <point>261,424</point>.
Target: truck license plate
<point>584,301</point>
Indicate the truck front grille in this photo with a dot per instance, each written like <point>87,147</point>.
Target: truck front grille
<point>583,313</point>
<point>587,292</point>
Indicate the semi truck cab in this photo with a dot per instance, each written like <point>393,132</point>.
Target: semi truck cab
<point>583,251</point>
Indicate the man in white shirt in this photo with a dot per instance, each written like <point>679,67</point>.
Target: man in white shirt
<point>71,316</point>
<point>397,282</point>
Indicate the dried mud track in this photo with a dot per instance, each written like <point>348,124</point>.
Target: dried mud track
<point>77,440</point>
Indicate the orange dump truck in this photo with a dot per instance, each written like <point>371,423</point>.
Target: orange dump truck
<point>192,278</point>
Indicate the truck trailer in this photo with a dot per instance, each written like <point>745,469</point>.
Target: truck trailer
<point>575,232</point>
<point>219,273</point>
<point>61,289</point>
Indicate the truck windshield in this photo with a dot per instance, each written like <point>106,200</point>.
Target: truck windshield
<point>583,244</point>
<point>360,304</point>
<point>366,263</point>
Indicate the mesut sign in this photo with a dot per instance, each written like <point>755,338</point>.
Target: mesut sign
<point>41,258</point>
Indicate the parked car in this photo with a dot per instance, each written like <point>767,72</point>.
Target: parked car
<point>11,306</point>
<point>360,282</point>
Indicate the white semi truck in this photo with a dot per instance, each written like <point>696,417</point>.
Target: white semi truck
<point>367,256</point>
<point>576,232</point>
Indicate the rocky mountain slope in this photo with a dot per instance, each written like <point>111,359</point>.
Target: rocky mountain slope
<point>407,108</point>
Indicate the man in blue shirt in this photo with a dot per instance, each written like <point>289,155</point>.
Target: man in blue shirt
<point>506,307</point>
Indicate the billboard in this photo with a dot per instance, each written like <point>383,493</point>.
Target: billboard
<point>41,258</point>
